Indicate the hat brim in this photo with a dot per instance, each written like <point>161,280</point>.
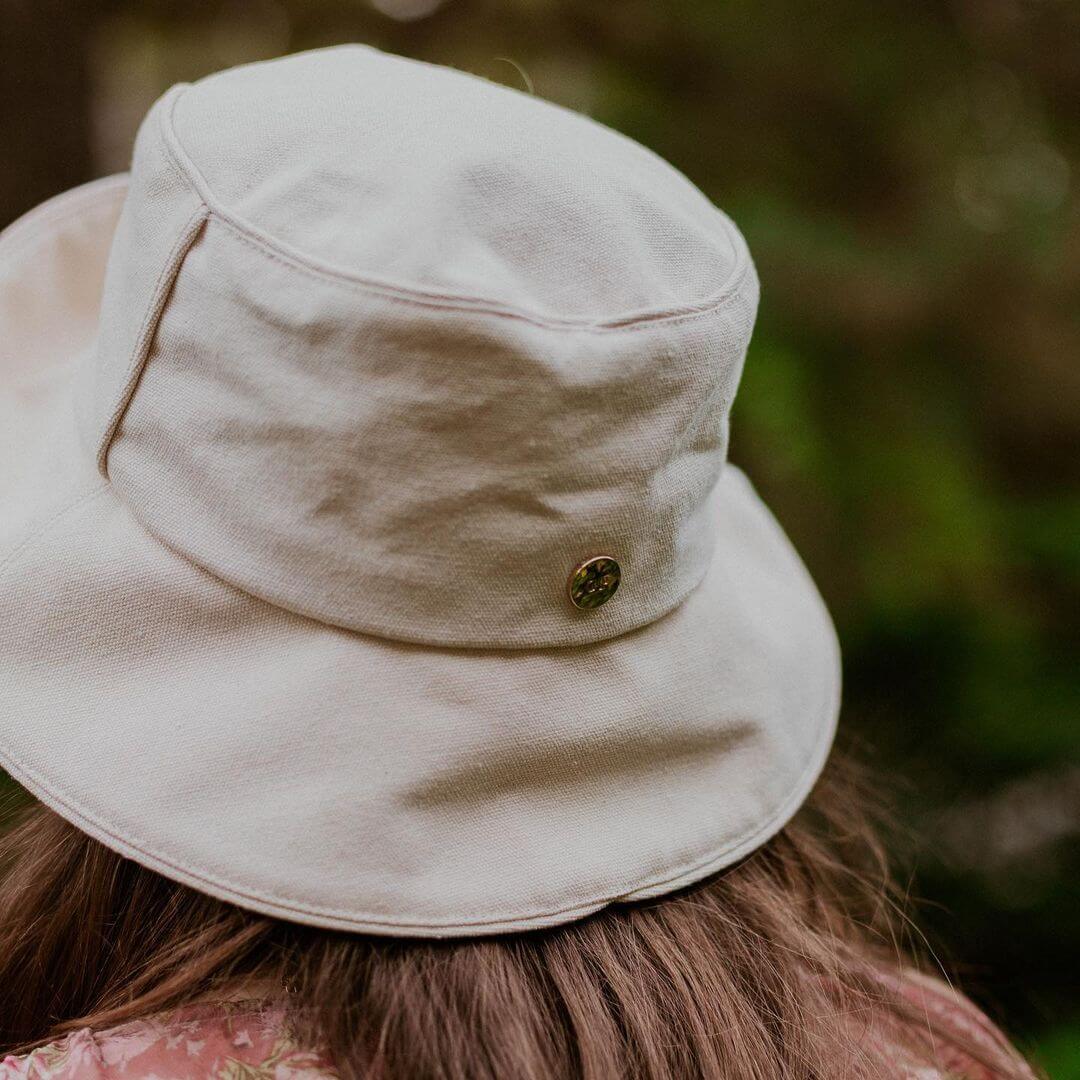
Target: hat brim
<point>347,781</point>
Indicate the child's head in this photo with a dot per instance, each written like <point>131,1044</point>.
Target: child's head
<point>381,621</point>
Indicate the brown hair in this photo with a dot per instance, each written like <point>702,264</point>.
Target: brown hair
<point>785,966</point>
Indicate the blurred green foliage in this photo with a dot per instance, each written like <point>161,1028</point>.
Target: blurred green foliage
<point>905,173</point>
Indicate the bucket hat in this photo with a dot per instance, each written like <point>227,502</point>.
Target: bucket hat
<point>369,555</point>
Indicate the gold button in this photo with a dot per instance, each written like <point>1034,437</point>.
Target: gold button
<point>594,581</point>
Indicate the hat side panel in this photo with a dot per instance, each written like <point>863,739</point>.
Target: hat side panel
<point>161,217</point>
<point>421,471</point>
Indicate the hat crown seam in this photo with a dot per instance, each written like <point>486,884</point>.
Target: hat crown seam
<point>729,290</point>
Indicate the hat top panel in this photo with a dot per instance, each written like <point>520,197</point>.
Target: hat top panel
<point>431,179</point>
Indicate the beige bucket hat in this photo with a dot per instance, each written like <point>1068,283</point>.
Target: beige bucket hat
<point>368,552</point>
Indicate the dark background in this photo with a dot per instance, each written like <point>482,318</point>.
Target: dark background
<point>906,175</point>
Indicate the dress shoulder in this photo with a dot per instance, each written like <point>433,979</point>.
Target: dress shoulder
<point>978,1049</point>
<point>235,1041</point>
<point>247,1041</point>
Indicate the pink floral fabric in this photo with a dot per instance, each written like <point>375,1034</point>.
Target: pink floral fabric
<point>235,1041</point>
<point>249,1041</point>
<point>956,1014</point>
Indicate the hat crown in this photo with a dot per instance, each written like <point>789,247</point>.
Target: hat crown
<point>444,183</point>
<point>397,348</point>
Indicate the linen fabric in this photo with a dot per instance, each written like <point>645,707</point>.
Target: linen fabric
<point>308,421</point>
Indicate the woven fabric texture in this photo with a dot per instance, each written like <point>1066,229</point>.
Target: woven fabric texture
<point>359,363</point>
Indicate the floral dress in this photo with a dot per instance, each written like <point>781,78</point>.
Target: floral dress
<point>249,1041</point>
<point>233,1041</point>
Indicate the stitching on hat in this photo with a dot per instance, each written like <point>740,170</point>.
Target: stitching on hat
<point>729,290</point>
<point>162,288</point>
<point>696,870</point>
<point>466,304</point>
